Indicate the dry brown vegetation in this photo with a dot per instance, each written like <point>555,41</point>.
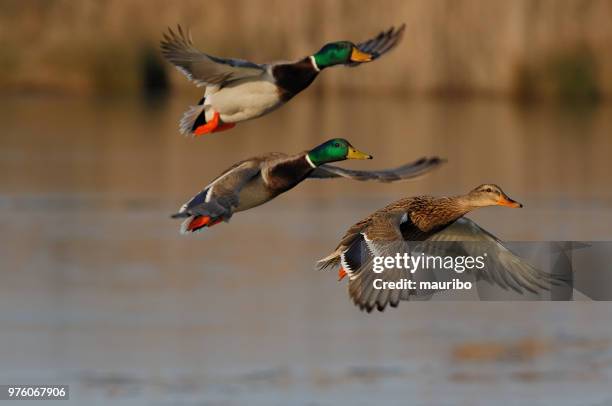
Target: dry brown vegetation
<point>526,48</point>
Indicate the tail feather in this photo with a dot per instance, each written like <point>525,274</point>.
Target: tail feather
<point>329,261</point>
<point>194,117</point>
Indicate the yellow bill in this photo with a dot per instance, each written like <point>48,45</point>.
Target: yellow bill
<point>354,154</point>
<point>359,56</point>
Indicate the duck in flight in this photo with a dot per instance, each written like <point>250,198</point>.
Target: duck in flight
<point>433,220</point>
<point>255,181</point>
<point>236,90</point>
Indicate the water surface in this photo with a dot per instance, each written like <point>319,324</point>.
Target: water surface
<point>100,292</point>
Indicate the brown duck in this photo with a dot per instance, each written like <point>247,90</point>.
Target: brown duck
<point>426,218</point>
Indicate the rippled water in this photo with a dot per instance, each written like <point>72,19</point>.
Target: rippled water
<point>100,292</point>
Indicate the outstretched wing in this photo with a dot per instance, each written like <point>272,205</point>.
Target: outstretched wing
<point>503,267</point>
<point>381,44</point>
<point>383,238</point>
<point>201,68</point>
<point>407,171</point>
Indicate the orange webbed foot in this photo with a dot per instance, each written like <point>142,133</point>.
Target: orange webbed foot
<point>198,222</point>
<point>209,127</point>
<point>203,221</point>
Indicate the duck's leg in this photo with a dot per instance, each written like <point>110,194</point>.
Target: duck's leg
<point>209,127</point>
<point>213,126</point>
<point>198,222</point>
<point>341,274</point>
<point>203,221</point>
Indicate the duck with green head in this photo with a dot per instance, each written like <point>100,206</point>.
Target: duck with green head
<point>237,90</point>
<point>257,180</point>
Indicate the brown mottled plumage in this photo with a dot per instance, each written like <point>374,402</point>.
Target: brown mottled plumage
<point>425,218</point>
<point>424,214</point>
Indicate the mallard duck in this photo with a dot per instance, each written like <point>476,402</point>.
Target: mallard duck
<point>429,219</point>
<point>257,180</point>
<point>237,90</point>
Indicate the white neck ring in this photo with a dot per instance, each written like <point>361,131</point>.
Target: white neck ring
<point>310,161</point>
<point>314,63</point>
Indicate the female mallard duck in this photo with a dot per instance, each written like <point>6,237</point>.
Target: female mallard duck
<point>237,90</point>
<point>424,218</point>
<point>257,180</point>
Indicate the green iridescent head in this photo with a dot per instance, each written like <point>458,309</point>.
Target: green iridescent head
<point>339,53</point>
<point>337,149</point>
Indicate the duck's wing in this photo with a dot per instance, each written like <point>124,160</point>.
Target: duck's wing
<point>201,68</point>
<point>354,232</point>
<point>378,235</point>
<point>383,237</point>
<point>221,196</point>
<point>381,44</point>
<point>408,171</point>
<point>502,267</point>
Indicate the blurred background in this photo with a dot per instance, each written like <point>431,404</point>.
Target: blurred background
<point>99,291</point>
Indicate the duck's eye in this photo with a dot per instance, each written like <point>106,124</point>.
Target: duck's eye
<point>337,145</point>
<point>488,190</point>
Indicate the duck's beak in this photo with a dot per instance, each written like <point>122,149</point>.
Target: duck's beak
<point>354,154</point>
<point>359,56</point>
<point>506,201</point>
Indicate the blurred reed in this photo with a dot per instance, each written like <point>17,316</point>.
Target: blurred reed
<point>528,49</point>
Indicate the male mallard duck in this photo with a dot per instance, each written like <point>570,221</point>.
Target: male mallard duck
<point>425,218</point>
<point>257,180</point>
<point>237,90</point>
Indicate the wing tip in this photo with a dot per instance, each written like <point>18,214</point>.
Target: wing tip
<point>174,41</point>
